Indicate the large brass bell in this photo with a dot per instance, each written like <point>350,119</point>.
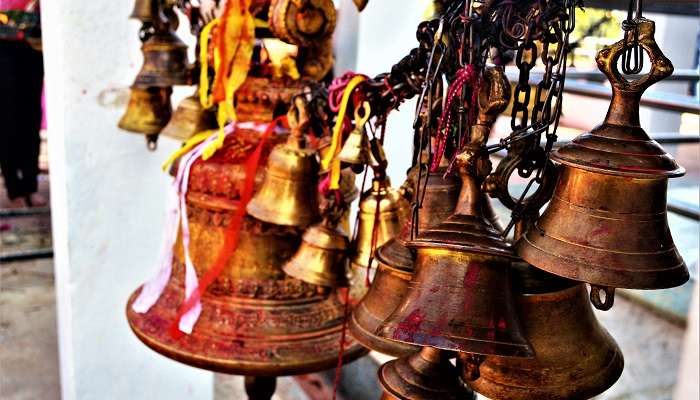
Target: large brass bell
<point>322,256</point>
<point>288,195</point>
<point>256,320</point>
<point>164,61</point>
<point>575,357</point>
<point>606,223</point>
<point>147,112</point>
<point>426,375</point>
<point>460,295</point>
<point>189,119</point>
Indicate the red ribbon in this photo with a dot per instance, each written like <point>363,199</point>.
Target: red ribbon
<point>466,76</point>
<point>232,234</point>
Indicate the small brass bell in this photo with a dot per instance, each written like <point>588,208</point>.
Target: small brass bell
<point>144,10</point>
<point>355,150</point>
<point>189,119</point>
<point>164,61</point>
<point>148,111</point>
<point>424,375</point>
<point>321,258</point>
<point>385,206</point>
<point>460,295</point>
<point>289,193</point>
<point>578,361</point>
<point>606,223</point>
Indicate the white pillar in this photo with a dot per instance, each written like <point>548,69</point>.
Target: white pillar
<point>107,195</point>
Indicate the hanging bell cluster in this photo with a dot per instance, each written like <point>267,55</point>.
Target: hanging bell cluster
<point>430,276</point>
<point>257,318</point>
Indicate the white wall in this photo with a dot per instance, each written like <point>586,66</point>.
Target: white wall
<point>107,196</point>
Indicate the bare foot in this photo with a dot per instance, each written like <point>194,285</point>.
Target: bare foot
<point>19,202</point>
<point>37,200</point>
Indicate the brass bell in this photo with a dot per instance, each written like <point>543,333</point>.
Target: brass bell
<point>144,10</point>
<point>189,119</point>
<point>395,269</point>
<point>606,223</point>
<point>424,375</point>
<point>576,361</point>
<point>384,207</point>
<point>460,295</point>
<point>256,320</point>
<point>147,112</point>
<point>321,258</point>
<point>388,288</point>
<point>288,195</point>
<point>164,61</point>
<point>355,150</point>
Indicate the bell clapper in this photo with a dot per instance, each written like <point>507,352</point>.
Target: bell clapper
<point>152,142</point>
<point>604,302</point>
<point>260,387</point>
<point>470,363</point>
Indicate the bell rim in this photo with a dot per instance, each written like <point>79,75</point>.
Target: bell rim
<point>445,395</point>
<point>609,373</point>
<point>313,278</point>
<point>640,173</point>
<point>566,267</point>
<point>378,343</point>
<point>463,345</point>
<point>350,354</point>
<point>426,244</point>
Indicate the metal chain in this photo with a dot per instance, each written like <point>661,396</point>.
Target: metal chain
<point>633,57</point>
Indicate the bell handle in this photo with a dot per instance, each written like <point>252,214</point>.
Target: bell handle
<point>607,302</point>
<point>624,107</point>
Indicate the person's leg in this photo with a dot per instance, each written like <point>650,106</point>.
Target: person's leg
<point>32,77</point>
<point>10,54</point>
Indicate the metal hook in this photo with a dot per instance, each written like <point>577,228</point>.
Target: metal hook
<point>633,57</point>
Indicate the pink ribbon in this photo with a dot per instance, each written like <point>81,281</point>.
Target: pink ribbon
<point>177,211</point>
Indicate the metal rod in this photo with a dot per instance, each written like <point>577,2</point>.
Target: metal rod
<point>683,75</point>
<point>684,210</point>
<point>23,212</point>
<point>26,255</point>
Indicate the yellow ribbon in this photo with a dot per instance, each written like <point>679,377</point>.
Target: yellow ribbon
<point>204,97</point>
<point>330,160</point>
<point>186,147</point>
<point>240,30</point>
